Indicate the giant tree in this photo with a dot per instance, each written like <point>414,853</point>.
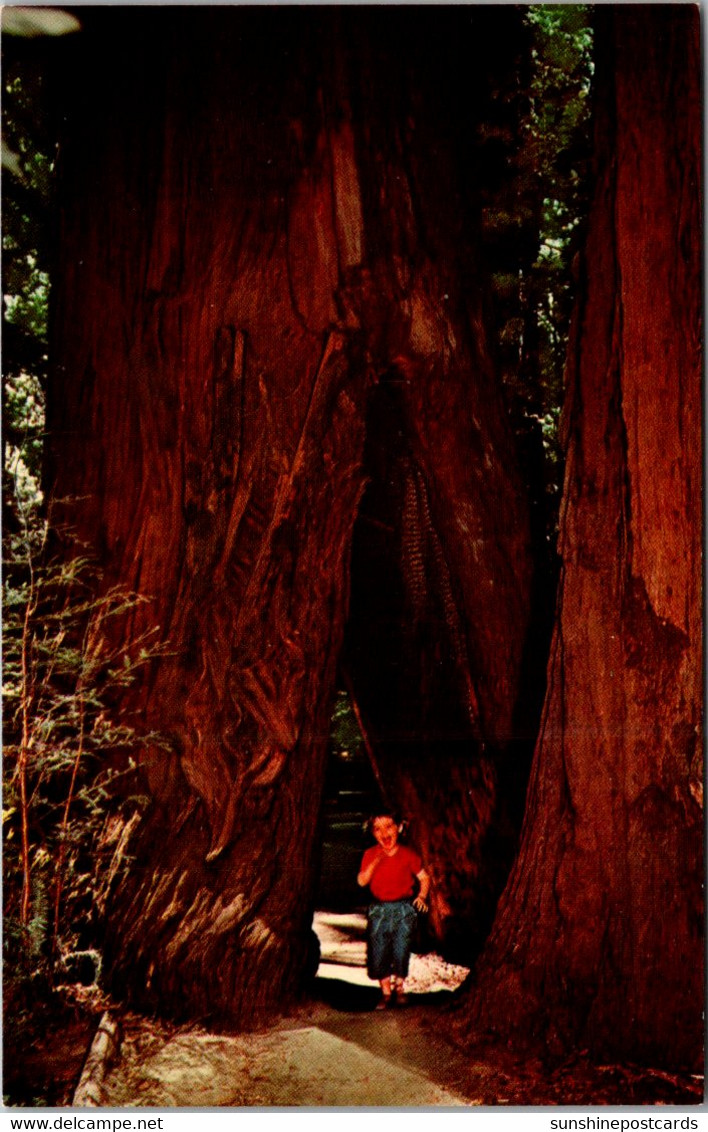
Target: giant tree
<point>598,938</point>
<point>267,281</point>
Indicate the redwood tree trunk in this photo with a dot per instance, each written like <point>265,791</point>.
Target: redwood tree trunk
<point>440,621</point>
<point>597,942</point>
<point>253,235</point>
<point>439,618</point>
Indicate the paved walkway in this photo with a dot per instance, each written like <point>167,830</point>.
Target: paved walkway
<point>336,1053</point>
<point>305,1066</point>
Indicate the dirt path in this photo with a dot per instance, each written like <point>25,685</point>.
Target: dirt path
<point>335,1051</point>
<point>298,1064</point>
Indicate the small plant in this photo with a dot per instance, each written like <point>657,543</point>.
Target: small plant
<point>67,748</point>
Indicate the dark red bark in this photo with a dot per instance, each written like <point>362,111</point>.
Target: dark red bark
<point>254,236</point>
<point>598,939</point>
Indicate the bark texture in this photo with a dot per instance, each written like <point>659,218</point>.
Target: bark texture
<point>440,626</point>
<point>598,937</point>
<point>261,223</point>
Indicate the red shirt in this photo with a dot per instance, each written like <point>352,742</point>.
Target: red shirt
<point>393,876</point>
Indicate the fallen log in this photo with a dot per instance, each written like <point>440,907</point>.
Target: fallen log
<point>104,1048</point>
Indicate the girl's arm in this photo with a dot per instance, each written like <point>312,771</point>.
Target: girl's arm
<point>420,901</point>
<point>366,874</point>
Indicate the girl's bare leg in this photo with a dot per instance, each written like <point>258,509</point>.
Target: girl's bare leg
<point>397,987</point>
<point>386,996</point>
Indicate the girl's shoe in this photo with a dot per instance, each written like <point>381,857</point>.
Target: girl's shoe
<point>385,1002</point>
<point>401,998</point>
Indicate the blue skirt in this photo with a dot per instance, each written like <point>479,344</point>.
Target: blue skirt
<point>389,937</point>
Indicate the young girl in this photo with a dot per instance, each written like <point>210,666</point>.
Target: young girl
<point>390,870</point>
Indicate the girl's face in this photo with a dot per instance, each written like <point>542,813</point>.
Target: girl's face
<point>385,831</point>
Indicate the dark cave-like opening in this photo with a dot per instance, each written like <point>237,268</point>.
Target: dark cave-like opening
<point>399,653</point>
<point>406,666</point>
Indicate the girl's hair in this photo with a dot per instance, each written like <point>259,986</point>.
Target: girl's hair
<point>385,812</point>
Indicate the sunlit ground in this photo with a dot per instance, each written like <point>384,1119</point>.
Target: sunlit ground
<point>342,939</point>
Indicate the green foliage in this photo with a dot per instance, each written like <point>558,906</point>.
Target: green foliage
<point>345,736</point>
<point>66,744</point>
<point>556,152</point>
<point>535,154</point>
<point>28,160</point>
<point>64,666</point>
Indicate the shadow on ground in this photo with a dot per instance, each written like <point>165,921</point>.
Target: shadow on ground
<point>351,998</point>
